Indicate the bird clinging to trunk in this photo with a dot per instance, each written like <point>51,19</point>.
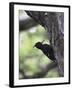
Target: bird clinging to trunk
<point>46,49</point>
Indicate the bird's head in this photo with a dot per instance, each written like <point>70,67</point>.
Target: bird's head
<point>39,45</point>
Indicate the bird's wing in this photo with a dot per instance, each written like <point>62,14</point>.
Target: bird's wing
<point>48,47</point>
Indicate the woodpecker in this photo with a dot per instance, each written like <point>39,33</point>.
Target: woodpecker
<point>46,49</point>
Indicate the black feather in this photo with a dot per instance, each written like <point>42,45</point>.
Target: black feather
<point>46,49</point>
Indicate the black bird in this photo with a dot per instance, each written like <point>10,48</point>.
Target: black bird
<point>46,49</point>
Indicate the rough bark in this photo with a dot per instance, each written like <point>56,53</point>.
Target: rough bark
<point>25,24</point>
<point>53,22</point>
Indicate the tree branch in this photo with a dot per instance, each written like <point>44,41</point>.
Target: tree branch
<point>25,24</point>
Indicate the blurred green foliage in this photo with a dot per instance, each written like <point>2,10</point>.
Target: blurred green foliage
<point>31,59</point>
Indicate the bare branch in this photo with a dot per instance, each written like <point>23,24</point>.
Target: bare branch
<point>25,24</point>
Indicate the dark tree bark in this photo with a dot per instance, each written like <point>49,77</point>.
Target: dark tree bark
<point>53,22</point>
<point>25,24</point>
